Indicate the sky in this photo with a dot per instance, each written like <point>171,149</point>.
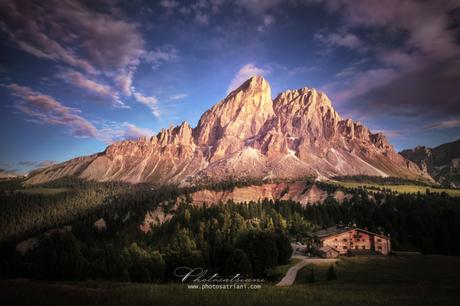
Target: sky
<point>76,76</point>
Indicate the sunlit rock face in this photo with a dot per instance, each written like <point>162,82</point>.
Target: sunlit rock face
<point>247,135</point>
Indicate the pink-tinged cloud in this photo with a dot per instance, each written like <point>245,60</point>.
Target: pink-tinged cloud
<point>408,78</point>
<point>71,33</point>
<point>444,124</point>
<point>102,90</point>
<point>45,109</point>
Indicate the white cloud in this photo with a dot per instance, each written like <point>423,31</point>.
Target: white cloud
<point>247,71</point>
<point>149,101</point>
<point>178,97</point>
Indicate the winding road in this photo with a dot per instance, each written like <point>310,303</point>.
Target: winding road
<point>291,274</point>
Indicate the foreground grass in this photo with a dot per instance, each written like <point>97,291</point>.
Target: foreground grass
<point>414,280</point>
<point>402,188</point>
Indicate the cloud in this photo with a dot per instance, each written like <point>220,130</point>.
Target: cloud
<point>420,67</point>
<point>149,101</point>
<point>92,42</point>
<point>202,18</point>
<point>444,124</point>
<point>161,55</point>
<point>246,72</point>
<point>268,20</point>
<point>124,82</point>
<point>178,97</point>
<point>132,132</point>
<point>46,163</point>
<point>116,131</point>
<point>26,163</point>
<point>258,7</point>
<point>79,80</point>
<point>341,39</point>
<point>72,33</point>
<point>45,109</point>
<point>169,4</point>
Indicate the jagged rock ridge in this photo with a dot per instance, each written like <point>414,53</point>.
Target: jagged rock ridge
<point>441,162</point>
<point>247,135</point>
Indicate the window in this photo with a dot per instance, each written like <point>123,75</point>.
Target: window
<point>344,247</point>
<point>379,240</point>
<point>357,239</point>
<point>379,247</point>
<point>356,247</point>
<point>345,240</point>
<point>364,247</point>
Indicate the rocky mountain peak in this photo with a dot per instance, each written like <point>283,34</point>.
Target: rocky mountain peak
<point>247,135</point>
<point>306,110</point>
<point>240,115</point>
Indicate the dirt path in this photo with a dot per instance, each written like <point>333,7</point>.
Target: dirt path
<point>291,274</point>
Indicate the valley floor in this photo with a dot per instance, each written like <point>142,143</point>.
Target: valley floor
<point>411,280</point>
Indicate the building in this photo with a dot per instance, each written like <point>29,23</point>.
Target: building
<point>328,252</point>
<point>352,241</point>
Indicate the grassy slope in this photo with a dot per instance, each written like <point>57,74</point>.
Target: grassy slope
<point>415,280</point>
<point>403,188</point>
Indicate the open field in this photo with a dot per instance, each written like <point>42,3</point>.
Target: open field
<point>411,280</point>
<point>401,188</point>
<point>42,190</point>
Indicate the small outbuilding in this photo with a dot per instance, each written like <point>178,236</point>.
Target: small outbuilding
<point>328,252</point>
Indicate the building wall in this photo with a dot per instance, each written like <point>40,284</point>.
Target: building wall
<point>355,239</point>
<point>382,245</point>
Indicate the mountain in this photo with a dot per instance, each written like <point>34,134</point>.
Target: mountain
<point>4,174</point>
<point>247,135</point>
<point>441,162</point>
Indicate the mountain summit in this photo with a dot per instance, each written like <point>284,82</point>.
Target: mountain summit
<point>247,135</point>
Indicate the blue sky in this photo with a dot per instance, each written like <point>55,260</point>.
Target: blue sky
<point>78,75</point>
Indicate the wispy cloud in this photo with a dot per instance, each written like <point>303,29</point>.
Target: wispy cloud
<point>342,39</point>
<point>149,101</point>
<point>45,163</point>
<point>444,124</point>
<point>116,131</point>
<point>178,97</point>
<point>45,109</point>
<point>102,90</point>
<point>161,55</point>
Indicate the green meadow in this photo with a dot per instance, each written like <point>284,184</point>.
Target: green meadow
<point>400,188</point>
<point>409,280</point>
